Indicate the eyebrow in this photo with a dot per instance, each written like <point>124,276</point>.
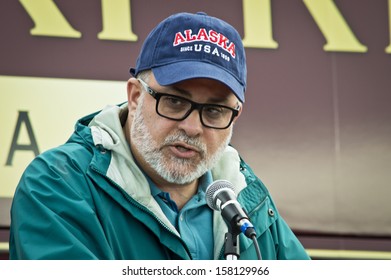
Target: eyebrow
<point>187,94</point>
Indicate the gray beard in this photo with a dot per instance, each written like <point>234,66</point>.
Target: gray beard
<point>174,170</point>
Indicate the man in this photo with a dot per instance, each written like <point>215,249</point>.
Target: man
<point>130,182</point>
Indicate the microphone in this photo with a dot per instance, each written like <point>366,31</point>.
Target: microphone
<point>220,196</point>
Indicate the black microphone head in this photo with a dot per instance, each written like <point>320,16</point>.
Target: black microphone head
<point>213,188</point>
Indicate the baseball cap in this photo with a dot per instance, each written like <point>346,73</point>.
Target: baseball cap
<point>186,46</point>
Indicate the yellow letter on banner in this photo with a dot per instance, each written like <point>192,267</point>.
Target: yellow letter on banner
<point>48,19</point>
<point>117,20</point>
<point>388,49</point>
<point>258,24</point>
<point>331,23</point>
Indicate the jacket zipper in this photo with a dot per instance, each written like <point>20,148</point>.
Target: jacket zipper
<point>258,206</point>
<point>136,204</point>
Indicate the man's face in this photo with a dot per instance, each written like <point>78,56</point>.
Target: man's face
<point>179,152</point>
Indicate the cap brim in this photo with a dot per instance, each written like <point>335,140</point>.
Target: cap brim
<point>184,70</point>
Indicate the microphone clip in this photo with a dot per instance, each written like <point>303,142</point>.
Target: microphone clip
<point>231,251</point>
<point>235,228</point>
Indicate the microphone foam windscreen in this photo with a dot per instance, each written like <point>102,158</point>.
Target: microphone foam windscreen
<point>215,187</point>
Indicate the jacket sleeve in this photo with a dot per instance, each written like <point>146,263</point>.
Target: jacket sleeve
<point>277,240</point>
<point>288,246</point>
<point>52,216</point>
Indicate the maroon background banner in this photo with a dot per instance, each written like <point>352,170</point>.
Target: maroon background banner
<point>316,125</point>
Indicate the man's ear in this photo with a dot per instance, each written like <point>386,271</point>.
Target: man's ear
<point>134,92</point>
<point>240,112</point>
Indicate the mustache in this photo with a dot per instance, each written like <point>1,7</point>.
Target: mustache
<point>183,137</point>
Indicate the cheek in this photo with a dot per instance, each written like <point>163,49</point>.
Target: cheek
<point>216,139</point>
<point>158,126</point>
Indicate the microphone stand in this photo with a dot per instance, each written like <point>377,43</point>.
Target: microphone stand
<point>231,251</point>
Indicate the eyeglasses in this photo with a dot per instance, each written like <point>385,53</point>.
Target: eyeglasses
<point>177,108</point>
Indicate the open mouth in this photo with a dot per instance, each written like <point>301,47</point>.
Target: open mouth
<point>184,151</point>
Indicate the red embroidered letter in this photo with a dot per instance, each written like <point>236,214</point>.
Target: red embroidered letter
<point>202,35</point>
<point>179,39</point>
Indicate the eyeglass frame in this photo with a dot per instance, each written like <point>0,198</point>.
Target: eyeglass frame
<point>194,105</point>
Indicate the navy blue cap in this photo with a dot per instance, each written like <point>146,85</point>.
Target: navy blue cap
<point>186,46</point>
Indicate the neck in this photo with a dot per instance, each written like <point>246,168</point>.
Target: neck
<point>181,194</point>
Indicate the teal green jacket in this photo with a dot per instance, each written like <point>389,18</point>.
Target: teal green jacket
<point>87,199</point>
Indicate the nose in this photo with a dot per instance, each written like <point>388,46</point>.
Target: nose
<point>192,124</point>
